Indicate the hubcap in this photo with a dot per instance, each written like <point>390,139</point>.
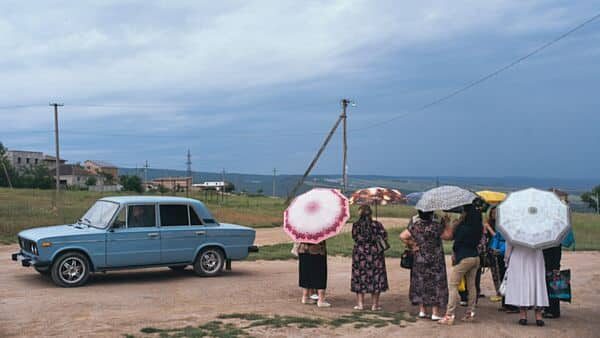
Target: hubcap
<point>210,261</point>
<point>72,270</point>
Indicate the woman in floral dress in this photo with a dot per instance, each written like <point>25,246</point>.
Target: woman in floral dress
<point>428,281</point>
<point>368,260</point>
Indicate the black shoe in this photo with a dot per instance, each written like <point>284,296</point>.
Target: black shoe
<point>549,315</point>
<point>522,321</point>
<point>539,322</point>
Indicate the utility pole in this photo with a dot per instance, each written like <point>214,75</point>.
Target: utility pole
<point>314,161</point>
<point>274,175</point>
<point>345,103</point>
<point>145,172</point>
<point>223,188</point>
<point>56,105</point>
<point>189,164</point>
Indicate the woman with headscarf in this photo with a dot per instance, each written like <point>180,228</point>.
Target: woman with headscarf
<point>369,274</point>
<point>428,281</point>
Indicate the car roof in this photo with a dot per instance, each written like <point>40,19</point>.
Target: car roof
<point>148,199</point>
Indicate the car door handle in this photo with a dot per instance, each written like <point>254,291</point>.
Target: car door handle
<point>200,233</point>
<point>153,234</point>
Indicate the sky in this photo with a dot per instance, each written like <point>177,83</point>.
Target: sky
<point>248,86</point>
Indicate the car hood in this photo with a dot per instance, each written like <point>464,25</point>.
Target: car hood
<point>55,231</point>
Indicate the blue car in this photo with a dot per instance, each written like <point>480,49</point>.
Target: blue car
<point>135,232</point>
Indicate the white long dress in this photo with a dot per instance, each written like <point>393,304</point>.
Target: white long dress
<point>526,277</point>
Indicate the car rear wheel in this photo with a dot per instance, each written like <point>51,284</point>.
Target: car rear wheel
<point>209,262</point>
<point>71,269</point>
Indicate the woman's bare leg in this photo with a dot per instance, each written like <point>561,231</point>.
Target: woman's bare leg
<point>375,300</point>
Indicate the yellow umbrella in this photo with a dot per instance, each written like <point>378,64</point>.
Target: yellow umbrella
<point>492,197</point>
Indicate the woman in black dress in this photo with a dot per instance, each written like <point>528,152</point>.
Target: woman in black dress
<point>312,266</point>
<point>369,274</point>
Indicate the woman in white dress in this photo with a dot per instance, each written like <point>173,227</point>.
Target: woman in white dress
<point>526,281</point>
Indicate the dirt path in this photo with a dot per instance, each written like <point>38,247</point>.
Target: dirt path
<point>267,236</point>
<point>124,302</point>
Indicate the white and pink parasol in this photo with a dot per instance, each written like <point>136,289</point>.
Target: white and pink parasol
<point>316,215</point>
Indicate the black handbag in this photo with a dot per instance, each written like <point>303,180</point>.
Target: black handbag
<point>406,260</point>
<point>382,244</point>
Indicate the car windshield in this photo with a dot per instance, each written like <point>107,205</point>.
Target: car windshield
<point>100,214</point>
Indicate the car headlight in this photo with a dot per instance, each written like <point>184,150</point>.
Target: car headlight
<point>34,249</point>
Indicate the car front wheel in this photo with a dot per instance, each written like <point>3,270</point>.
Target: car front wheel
<point>209,262</point>
<point>71,269</point>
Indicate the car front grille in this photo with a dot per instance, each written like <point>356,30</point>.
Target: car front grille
<point>28,245</point>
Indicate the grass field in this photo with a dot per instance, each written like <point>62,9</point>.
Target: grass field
<point>26,208</point>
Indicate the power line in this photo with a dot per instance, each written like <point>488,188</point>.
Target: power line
<point>485,77</point>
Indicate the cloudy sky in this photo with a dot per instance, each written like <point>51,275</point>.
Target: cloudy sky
<point>252,85</point>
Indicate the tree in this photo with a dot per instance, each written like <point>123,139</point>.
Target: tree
<point>131,183</point>
<point>591,198</point>
<point>91,180</point>
<point>108,178</point>
<point>228,187</point>
<point>162,189</point>
<point>6,168</point>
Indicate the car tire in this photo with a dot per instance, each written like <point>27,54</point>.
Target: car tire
<point>178,267</point>
<point>42,271</point>
<point>70,269</point>
<point>210,262</point>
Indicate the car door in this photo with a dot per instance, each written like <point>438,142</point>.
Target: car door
<point>134,238</point>
<point>181,233</point>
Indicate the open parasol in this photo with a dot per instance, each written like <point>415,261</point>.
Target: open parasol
<point>534,218</point>
<point>316,215</point>
<point>492,197</point>
<point>446,197</point>
<point>377,196</point>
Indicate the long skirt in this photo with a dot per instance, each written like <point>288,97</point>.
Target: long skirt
<point>312,271</point>
<point>526,280</point>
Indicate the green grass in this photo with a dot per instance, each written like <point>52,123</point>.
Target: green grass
<point>248,321</point>
<point>27,208</point>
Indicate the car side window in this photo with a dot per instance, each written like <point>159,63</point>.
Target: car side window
<point>194,219</point>
<point>141,216</point>
<point>174,215</point>
<point>121,219</point>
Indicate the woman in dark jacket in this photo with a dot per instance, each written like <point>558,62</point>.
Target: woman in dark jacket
<point>369,274</point>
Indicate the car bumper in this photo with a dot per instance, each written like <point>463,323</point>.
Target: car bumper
<point>27,260</point>
<point>253,248</point>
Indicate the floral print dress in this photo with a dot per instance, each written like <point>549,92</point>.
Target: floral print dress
<point>428,280</point>
<point>369,274</point>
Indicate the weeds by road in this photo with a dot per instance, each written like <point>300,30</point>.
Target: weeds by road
<point>248,321</point>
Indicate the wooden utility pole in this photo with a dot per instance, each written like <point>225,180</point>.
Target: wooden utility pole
<point>314,161</point>
<point>56,105</point>
<point>344,167</point>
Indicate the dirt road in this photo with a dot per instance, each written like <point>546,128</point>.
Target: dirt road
<point>124,302</point>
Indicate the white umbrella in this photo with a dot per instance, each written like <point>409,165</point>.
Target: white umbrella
<point>534,218</point>
<point>316,215</point>
<point>445,197</point>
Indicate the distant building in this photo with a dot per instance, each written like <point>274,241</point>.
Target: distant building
<point>73,175</point>
<point>50,162</point>
<point>214,185</point>
<point>101,167</point>
<point>172,183</point>
<point>21,159</point>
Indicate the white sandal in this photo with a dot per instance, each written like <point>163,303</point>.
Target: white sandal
<point>360,308</point>
<point>323,304</point>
